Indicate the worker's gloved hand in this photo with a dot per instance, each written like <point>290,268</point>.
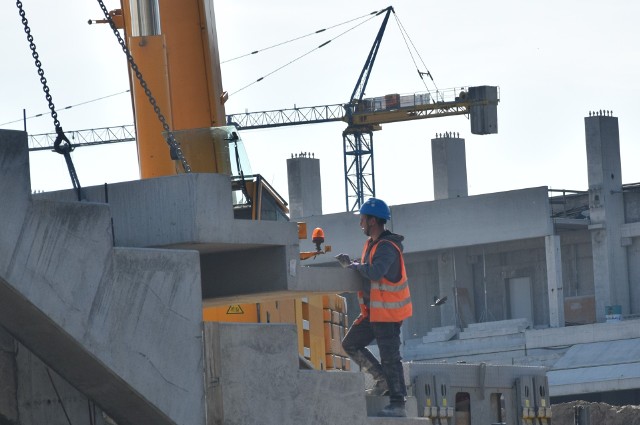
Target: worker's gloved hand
<point>343,259</point>
<point>354,265</point>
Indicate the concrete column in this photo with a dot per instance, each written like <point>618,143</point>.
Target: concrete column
<point>445,279</point>
<point>305,191</point>
<point>606,207</point>
<point>456,283</point>
<point>449,167</point>
<point>554,281</point>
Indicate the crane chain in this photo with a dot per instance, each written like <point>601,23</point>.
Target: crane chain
<point>65,148</point>
<point>174,146</point>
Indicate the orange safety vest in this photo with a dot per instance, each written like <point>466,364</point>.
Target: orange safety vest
<point>388,301</point>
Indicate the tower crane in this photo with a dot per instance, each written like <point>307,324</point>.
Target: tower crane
<point>365,115</point>
<point>362,115</point>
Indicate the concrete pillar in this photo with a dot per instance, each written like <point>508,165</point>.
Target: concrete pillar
<point>606,207</point>
<point>554,281</point>
<point>456,283</point>
<point>445,278</point>
<point>449,167</point>
<point>305,191</point>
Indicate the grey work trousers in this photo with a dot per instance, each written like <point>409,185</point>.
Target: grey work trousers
<point>387,336</point>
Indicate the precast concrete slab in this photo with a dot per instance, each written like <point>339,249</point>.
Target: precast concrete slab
<point>587,380</point>
<point>624,351</point>
<point>458,348</point>
<point>597,367</point>
<point>122,325</point>
<point>625,329</point>
<point>398,421</point>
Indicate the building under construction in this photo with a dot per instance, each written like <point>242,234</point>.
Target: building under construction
<point>102,289</point>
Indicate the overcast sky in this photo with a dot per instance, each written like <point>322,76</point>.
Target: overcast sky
<point>554,61</point>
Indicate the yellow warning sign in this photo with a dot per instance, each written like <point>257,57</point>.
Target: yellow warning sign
<point>235,309</point>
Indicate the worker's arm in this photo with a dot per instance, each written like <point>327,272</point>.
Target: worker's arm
<point>386,255</point>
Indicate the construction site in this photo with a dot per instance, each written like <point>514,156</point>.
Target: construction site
<point>198,295</point>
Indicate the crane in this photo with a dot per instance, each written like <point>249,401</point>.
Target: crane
<point>363,116</point>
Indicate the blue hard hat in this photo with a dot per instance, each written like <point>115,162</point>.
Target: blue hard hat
<point>376,208</point>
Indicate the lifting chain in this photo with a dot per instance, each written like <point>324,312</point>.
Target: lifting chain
<point>62,145</point>
<point>174,146</point>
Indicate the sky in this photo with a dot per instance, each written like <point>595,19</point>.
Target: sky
<point>554,61</point>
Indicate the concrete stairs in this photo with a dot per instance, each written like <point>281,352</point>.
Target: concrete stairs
<point>440,334</point>
<point>496,328</point>
<point>119,324</point>
<point>489,341</point>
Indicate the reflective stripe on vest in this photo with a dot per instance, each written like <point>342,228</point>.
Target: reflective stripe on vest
<point>388,301</point>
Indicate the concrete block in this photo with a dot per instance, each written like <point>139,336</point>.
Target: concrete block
<point>484,117</point>
<point>253,379</point>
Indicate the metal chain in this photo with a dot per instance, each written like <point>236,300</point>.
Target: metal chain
<point>174,146</point>
<point>60,147</point>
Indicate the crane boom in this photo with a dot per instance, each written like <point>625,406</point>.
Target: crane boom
<point>372,116</point>
<point>363,79</point>
<point>89,137</point>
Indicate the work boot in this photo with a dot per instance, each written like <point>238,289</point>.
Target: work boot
<point>380,388</point>
<point>393,410</point>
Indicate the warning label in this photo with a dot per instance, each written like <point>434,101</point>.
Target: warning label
<point>235,309</point>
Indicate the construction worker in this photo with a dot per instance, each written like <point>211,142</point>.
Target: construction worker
<point>384,303</point>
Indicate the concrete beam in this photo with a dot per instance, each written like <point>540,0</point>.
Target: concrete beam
<point>448,223</point>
